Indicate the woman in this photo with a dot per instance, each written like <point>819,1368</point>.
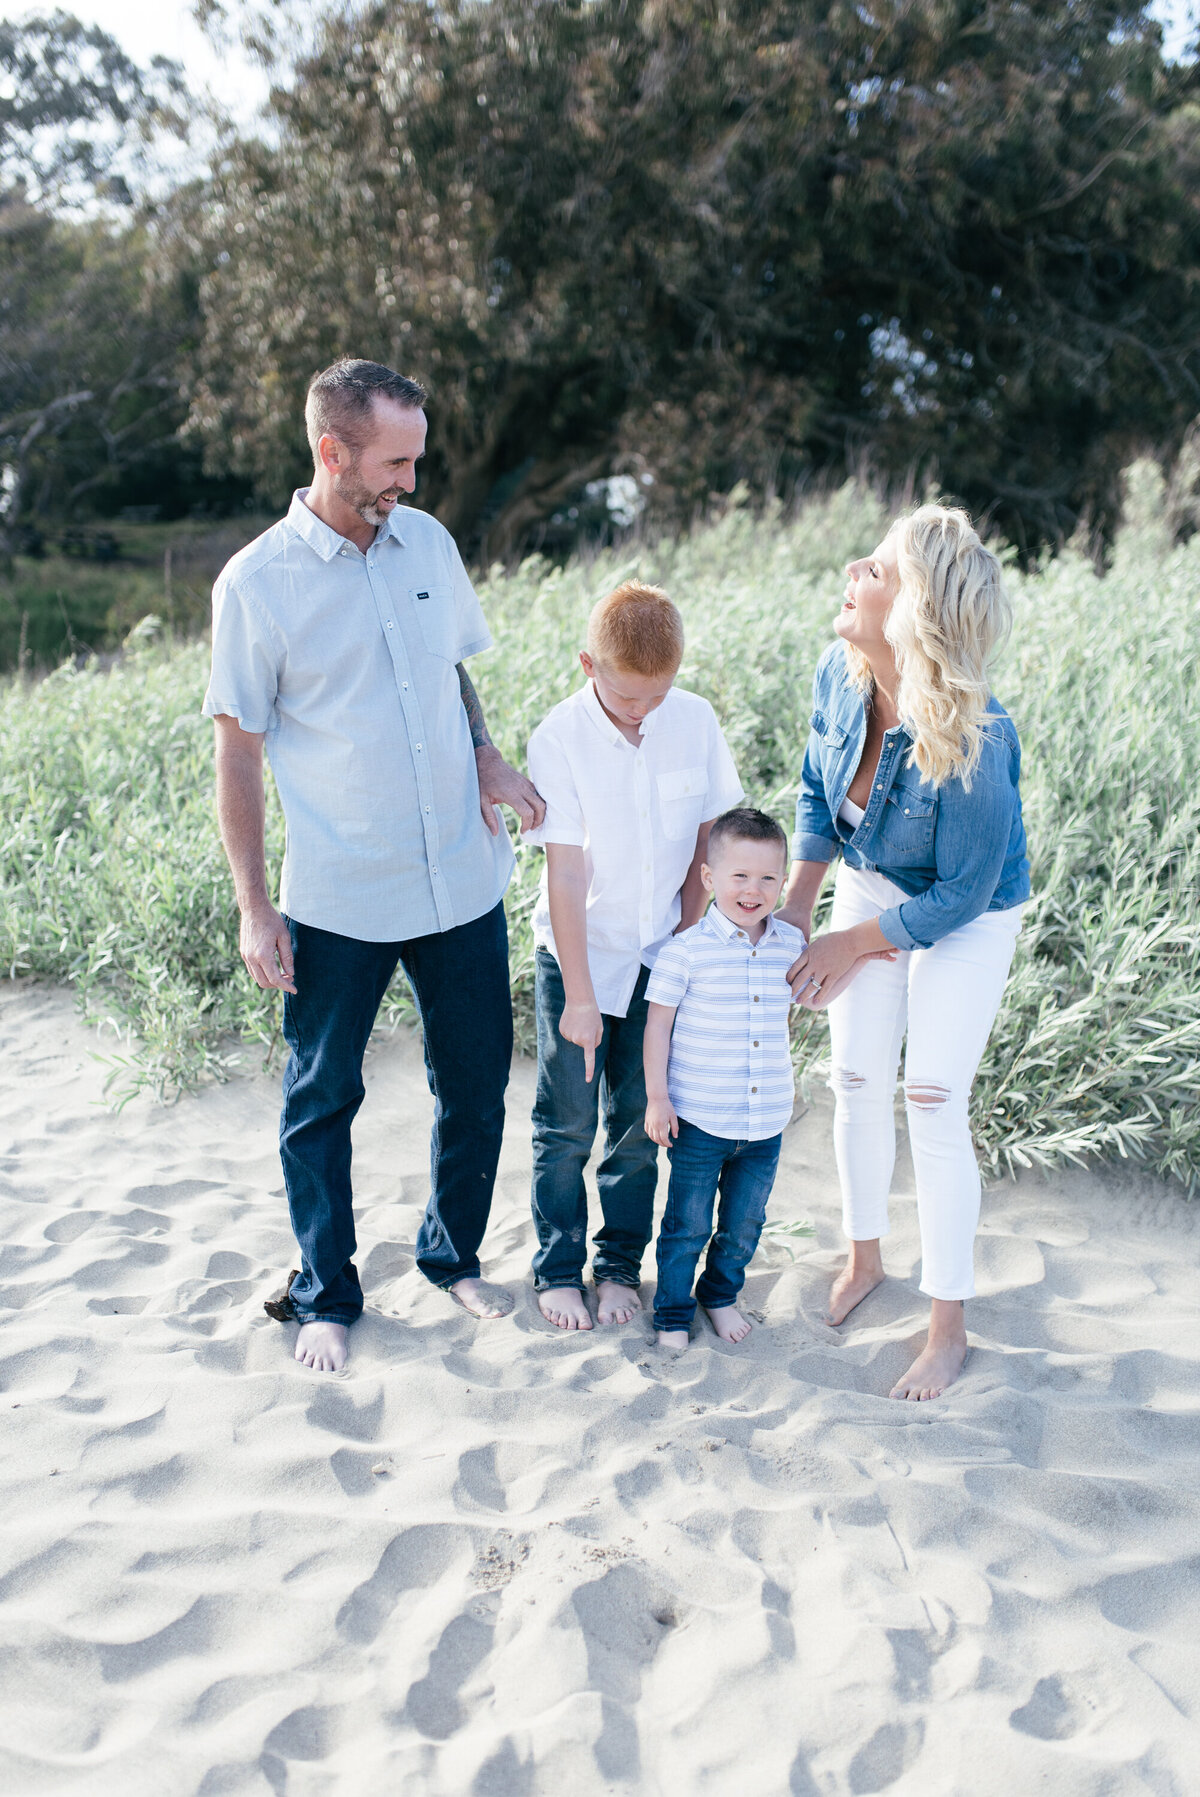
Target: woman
<point>911,771</point>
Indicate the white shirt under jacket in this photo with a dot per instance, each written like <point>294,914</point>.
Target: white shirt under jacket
<point>635,812</point>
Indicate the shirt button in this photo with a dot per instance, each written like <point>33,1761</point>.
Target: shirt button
<point>756,1045</point>
<point>756,998</point>
<point>754,954</point>
<point>740,934</point>
<point>418,748</point>
<point>404,684</point>
<point>434,870</point>
<point>389,623</point>
<point>754,1088</point>
<point>906,811</point>
<point>427,811</point>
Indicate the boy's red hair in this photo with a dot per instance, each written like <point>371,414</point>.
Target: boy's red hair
<point>636,629</point>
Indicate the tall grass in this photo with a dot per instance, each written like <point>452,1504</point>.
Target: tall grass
<point>111,872</point>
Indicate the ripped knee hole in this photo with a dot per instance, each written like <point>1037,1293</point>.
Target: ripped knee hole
<point>926,1095</point>
<point>842,1080</point>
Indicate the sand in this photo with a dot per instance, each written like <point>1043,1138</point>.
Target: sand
<point>493,1560</point>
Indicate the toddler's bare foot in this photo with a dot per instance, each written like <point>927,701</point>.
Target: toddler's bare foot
<point>564,1306</point>
<point>673,1340</point>
<point>323,1346</point>
<point>729,1323</point>
<point>936,1366</point>
<point>850,1287</point>
<point>615,1303</point>
<point>482,1299</point>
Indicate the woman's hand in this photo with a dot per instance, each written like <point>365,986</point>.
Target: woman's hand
<point>829,963</point>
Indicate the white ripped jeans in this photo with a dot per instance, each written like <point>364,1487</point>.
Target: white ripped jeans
<point>946,998</point>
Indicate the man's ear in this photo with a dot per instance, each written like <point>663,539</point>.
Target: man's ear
<point>331,453</point>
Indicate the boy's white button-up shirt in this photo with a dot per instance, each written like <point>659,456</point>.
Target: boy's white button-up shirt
<point>347,663</point>
<point>635,812</point>
<point>730,1068</point>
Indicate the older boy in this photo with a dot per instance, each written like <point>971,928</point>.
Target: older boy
<point>632,771</point>
<point>719,1075</point>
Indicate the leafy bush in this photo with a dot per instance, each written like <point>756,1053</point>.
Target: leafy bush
<point>112,875</point>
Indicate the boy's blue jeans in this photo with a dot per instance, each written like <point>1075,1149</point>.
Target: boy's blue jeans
<point>565,1114</point>
<point>459,978</point>
<point>701,1166</point>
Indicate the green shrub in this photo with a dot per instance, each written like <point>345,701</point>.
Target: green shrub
<point>113,876</point>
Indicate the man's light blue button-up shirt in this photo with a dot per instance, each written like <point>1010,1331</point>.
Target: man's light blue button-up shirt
<point>347,663</point>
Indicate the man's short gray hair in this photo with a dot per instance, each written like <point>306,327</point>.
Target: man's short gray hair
<point>341,399</point>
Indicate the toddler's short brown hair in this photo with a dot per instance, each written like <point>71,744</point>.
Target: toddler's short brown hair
<point>638,629</point>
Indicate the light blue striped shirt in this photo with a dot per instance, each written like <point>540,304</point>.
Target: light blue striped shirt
<point>346,662</point>
<point>730,1070</point>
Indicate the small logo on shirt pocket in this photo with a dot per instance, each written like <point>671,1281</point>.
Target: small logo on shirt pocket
<point>422,595</point>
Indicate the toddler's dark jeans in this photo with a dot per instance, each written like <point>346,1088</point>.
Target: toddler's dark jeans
<point>701,1167</point>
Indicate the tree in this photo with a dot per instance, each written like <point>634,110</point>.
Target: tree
<point>90,335</point>
<point>718,241</point>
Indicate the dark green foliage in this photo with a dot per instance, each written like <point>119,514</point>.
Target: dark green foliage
<point>710,242</point>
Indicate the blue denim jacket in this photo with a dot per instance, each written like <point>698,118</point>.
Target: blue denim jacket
<point>957,854</point>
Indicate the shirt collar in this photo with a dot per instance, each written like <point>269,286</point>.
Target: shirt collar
<point>723,927</point>
<point>321,536</point>
<point>591,704</point>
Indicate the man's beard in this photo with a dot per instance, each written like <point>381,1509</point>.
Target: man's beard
<point>360,499</point>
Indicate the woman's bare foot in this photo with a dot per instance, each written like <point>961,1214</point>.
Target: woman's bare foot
<point>323,1346</point>
<point>862,1272</point>
<point>941,1359</point>
<point>674,1340</point>
<point>482,1299</point>
<point>564,1306</point>
<point>615,1303</point>
<point>729,1323</point>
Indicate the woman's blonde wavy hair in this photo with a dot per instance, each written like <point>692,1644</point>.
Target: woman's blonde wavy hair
<point>949,617</point>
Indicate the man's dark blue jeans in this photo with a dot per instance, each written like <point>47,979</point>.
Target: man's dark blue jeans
<point>701,1166</point>
<point>565,1114</point>
<point>459,979</point>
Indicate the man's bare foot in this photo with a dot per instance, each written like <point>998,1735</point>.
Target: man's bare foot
<point>851,1286</point>
<point>323,1346</point>
<point>673,1340</point>
<point>482,1299</point>
<point>729,1323</point>
<point>564,1306</point>
<point>615,1303</point>
<point>937,1365</point>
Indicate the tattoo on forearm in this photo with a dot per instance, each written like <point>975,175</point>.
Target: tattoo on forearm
<point>473,709</point>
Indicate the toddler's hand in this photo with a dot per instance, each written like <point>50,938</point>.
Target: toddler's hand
<point>583,1025</point>
<point>661,1121</point>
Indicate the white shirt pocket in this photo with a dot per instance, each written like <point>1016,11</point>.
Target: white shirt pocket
<point>681,798</point>
<point>434,606</point>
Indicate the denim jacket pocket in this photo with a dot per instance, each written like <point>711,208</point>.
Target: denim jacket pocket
<point>831,734</point>
<point>908,823</point>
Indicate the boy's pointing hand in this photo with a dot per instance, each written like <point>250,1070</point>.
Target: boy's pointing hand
<point>583,1025</point>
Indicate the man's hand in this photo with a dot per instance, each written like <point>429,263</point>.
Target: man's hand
<point>661,1122</point>
<point>267,949</point>
<point>500,784</point>
<point>583,1025</point>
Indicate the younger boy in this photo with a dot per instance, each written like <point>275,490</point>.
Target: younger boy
<point>632,771</point>
<point>720,1088</point>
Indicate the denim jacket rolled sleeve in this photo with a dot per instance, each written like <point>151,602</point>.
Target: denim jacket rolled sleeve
<point>954,852</point>
<point>815,838</point>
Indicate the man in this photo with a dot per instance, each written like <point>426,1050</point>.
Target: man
<point>339,638</point>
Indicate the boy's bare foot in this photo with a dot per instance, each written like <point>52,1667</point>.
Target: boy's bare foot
<point>564,1306</point>
<point>482,1299</point>
<point>674,1340</point>
<point>615,1303</point>
<point>729,1323</point>
<point>851,1286</point>
<point>936,1366</point>
<point>323,1346</point>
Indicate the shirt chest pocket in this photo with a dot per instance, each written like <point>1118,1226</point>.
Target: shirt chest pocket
<point>908,822</point>
<point>831,734</point>
<point>434,608</point>
<point>681,797</point>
